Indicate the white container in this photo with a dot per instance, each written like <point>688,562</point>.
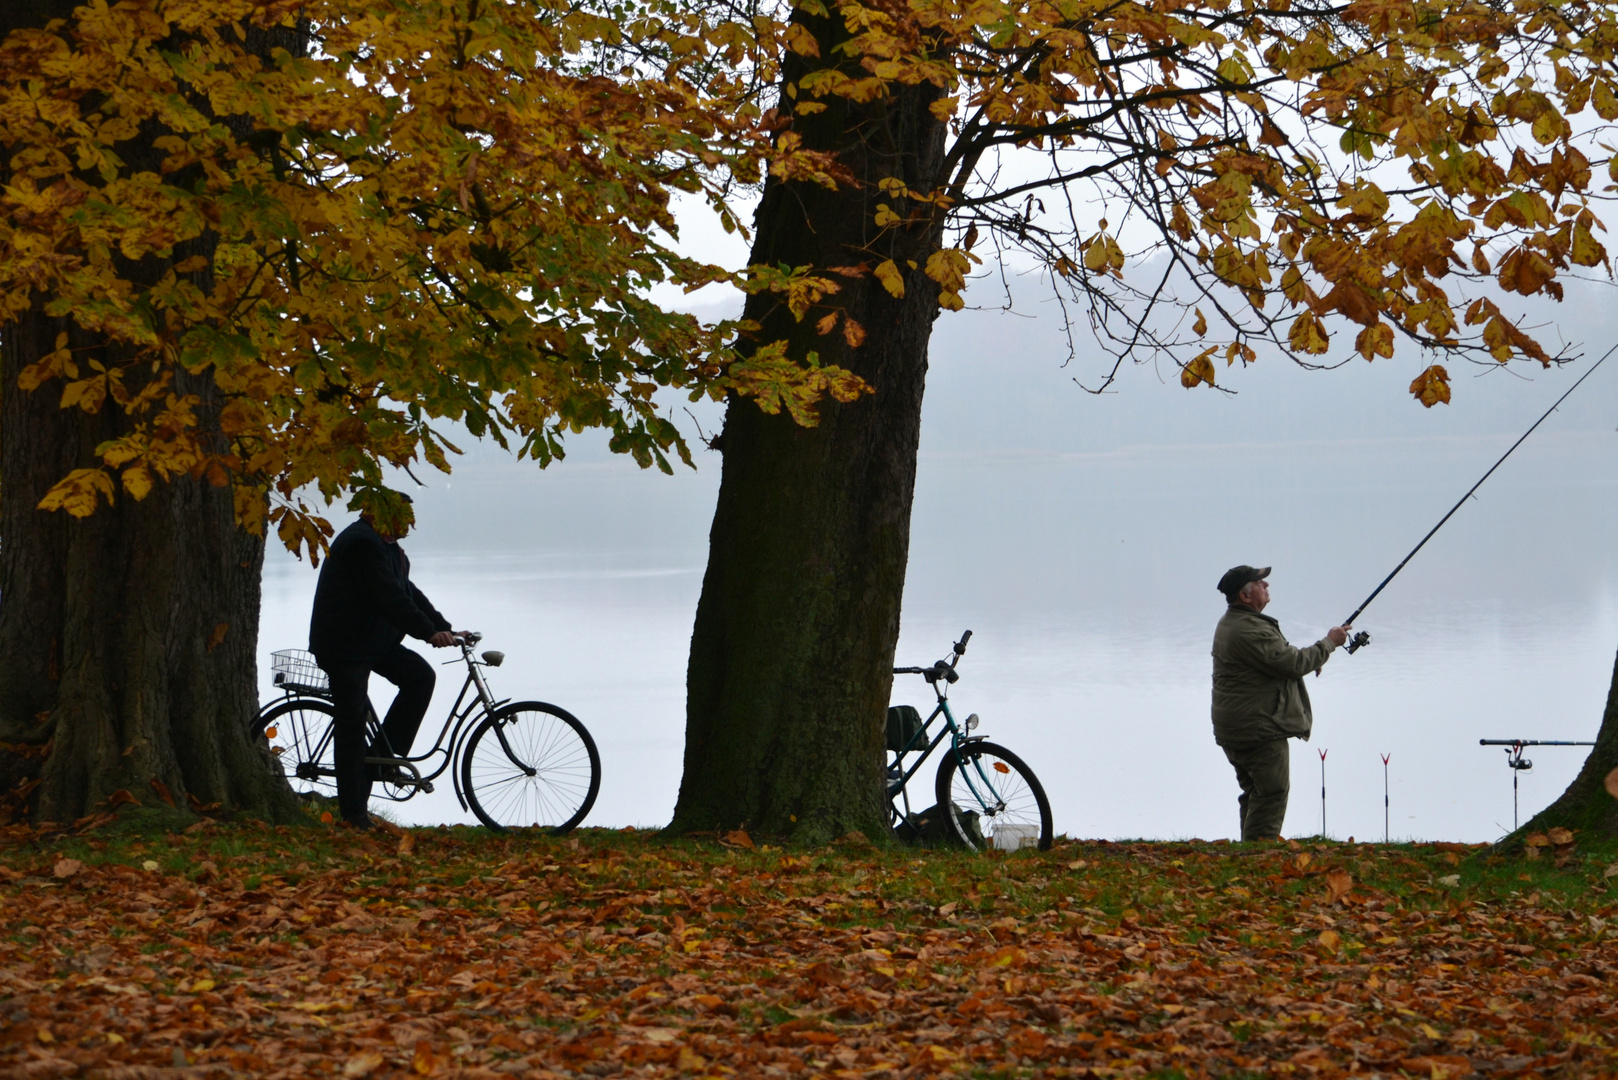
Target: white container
<point>1013,837</point>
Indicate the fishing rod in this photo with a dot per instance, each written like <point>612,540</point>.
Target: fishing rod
<point>1362,638</point>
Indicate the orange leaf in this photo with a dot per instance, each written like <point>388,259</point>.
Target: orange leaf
<point>1338,882</point>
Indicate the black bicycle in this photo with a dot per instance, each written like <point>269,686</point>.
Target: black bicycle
<point>988,796</point>
<point>520,762</point>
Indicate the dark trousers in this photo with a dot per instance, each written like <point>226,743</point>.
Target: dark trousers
<point>1264,770</point>
<point>349,680</point>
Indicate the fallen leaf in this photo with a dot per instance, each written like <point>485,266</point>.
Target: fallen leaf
<point>1330,940</point>
<point>1338,882</point>
<point>739,838</point>
<point>66,868</point>
<point>427,1061</point>
<point>1535,840</point>
<point>1451,880</point>
<point>1303,860</point>
<point>1612,783</point>
<point>363,1064</point>
<point>1077,864</point>
<point>1560,836</point>
<point>407,844</point>
<point>202,986</point>
<point>150,865</point>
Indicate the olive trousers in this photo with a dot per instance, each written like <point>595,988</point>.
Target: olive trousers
<point>1264,772</point>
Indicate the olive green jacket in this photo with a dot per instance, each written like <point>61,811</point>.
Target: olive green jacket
<point>1258,691</point>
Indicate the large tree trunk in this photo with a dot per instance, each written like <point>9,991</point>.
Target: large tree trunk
<point>792,650</point>
<point>1586,805</point>
<point>128,638</point>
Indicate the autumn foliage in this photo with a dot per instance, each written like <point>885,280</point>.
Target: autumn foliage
<point>448,952</point>
<point>1380,172</point>
<point>433,213</point>
<point>455,211</point>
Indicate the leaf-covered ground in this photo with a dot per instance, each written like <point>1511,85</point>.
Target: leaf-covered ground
<point>254,951</point>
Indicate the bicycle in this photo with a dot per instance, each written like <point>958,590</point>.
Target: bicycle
<point>978,781</point>
<point>520,763</point>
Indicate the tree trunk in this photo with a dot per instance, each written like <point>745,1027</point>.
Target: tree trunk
<point>792,650</point>
<point>1586,805</point>
<point>127,639</point>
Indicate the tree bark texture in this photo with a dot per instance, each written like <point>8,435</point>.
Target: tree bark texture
<point>128,639</point>
<point>1586,806</point>
<point>792,649</point>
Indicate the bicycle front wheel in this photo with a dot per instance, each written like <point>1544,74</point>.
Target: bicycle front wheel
<point>530,764</point>
<point>991,798</point>
<point>299,738</point>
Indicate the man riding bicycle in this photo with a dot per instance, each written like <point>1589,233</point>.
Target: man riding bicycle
<point>364,606</point>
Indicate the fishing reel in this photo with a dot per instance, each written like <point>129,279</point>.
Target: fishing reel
<point>1358,641</point>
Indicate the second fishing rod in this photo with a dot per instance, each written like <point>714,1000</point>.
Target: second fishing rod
<point>1362,638</point>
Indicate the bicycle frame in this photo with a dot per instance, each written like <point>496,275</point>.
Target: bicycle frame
<point>940,675</point>
<point>462,718</point>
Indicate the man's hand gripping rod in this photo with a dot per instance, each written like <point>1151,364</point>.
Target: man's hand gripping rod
<point>1362,638</point>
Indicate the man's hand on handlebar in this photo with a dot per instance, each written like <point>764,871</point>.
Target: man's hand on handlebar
<point>445,638</point>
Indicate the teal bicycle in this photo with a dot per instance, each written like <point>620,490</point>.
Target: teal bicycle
<point>986,796</point>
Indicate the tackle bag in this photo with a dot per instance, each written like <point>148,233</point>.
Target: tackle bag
<point>904,725</point>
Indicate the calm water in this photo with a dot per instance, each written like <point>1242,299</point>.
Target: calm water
<point>1080,538</point>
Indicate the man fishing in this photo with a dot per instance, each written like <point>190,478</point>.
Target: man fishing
<point>365,604</point>
<point>1259,700</point>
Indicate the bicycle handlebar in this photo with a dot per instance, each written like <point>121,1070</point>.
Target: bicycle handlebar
<point>940,670</point>
<point>943,669</point>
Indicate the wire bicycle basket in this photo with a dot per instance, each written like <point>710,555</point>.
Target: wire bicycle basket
<point>296,669</point>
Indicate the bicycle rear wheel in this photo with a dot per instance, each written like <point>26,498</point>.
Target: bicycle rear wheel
<point>991,798</point>
<point>530,764</point>
<point>299,738</point>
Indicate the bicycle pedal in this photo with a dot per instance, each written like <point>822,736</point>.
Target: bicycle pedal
<point>425,786</point>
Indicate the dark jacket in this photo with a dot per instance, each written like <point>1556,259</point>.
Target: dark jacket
<point>364,601</point>
<point>1258,691</point>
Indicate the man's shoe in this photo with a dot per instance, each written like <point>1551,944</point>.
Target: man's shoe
<point>359,824</point>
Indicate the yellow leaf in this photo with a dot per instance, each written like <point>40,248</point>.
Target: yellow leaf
<point>1307,335</point>
<point>1375,341</point>
<point>137,481</point>
<point>827,324</point>
<point>853,333</point>
<point>76,492</point>
<point>888,274</point>
<point>202,986</point>
<point>1330,940</point>
<point>1200,327</point>
<point>1200,370</point>
<point>1604,100</point>
<point>1431,386</point>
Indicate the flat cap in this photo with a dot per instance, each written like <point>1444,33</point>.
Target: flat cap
<point>1237,576</point>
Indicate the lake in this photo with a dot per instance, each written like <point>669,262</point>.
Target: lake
<point>1080,536</point>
